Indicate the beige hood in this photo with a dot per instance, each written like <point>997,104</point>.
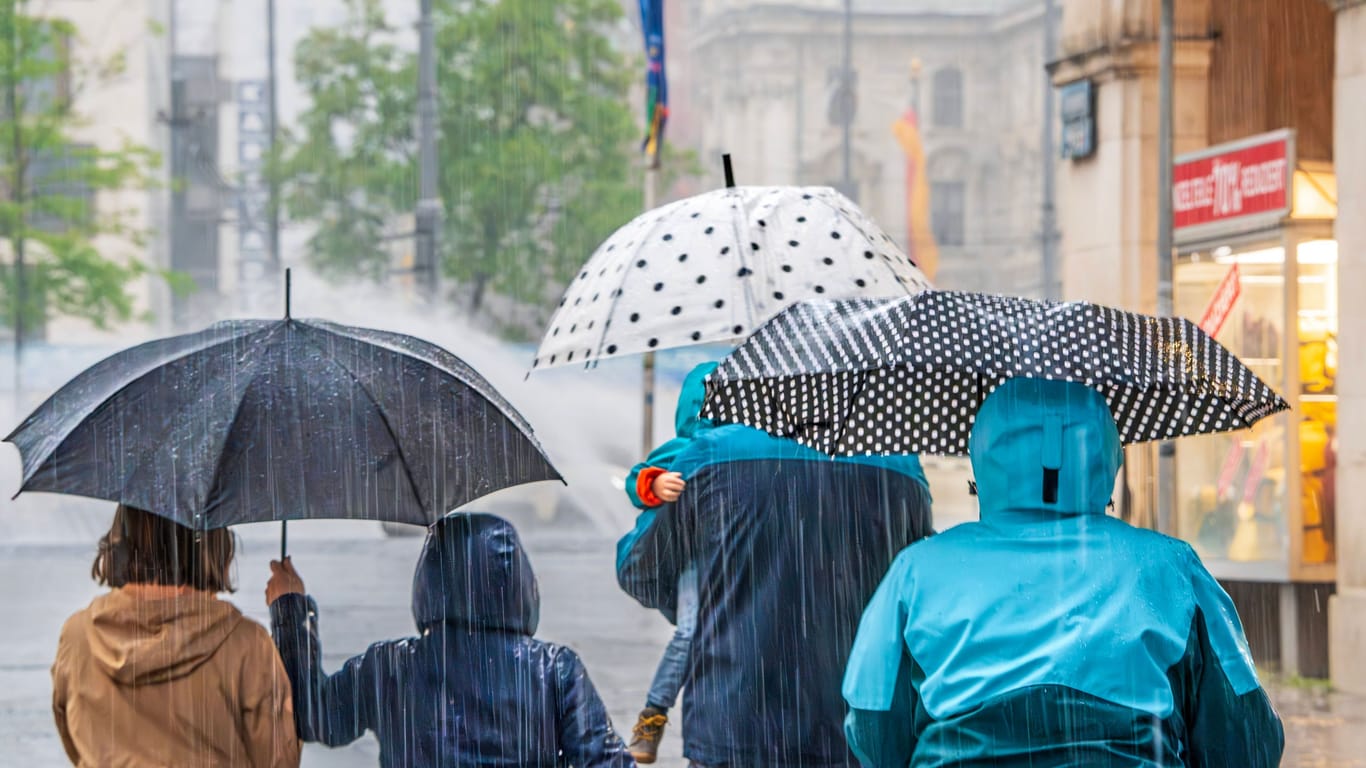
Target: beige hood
<point>141,640</point>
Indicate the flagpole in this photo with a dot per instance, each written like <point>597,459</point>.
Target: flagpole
<point>647,432</point>
<point>656,111</point>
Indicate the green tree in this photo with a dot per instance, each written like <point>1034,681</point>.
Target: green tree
<point>49,182</point>
<point>538,147</point>
<point>349,167</point>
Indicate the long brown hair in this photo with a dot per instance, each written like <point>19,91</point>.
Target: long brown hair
<point>142,548</point>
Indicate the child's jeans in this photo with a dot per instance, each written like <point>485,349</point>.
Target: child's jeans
<point>669,677</point>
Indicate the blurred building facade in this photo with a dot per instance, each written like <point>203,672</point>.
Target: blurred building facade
<point>756,80</point>
<point>1266,240</point>
<point>112,109</point>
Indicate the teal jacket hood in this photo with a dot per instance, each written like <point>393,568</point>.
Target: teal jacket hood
<point>687,419</point>
<point>1044,446</point>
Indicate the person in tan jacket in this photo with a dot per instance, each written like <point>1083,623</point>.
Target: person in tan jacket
<point>160,672</point>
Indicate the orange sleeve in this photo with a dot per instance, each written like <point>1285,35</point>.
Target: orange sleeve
<point>645,486</point>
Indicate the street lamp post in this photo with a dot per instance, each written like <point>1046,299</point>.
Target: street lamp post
<point>1052,288</point>
<point>847,100</point>
<point>273,180</point>
<point>1166,452</point>
<point>427,217</point>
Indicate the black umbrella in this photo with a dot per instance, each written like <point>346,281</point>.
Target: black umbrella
<point>254,420</point>
<point>906,375</point>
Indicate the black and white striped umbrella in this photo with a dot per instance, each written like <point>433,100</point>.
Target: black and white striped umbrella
<point>907,374</point>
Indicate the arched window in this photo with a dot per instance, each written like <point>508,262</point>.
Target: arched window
<point>948,171</point>
<point>948,98</point>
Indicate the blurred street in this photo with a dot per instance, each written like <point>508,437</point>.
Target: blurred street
<point>361,580</point>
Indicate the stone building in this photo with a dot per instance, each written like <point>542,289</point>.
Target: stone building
<point>114,108</point>
<point>755,79</point>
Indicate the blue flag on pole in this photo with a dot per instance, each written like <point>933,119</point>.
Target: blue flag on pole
<point>657,87</point>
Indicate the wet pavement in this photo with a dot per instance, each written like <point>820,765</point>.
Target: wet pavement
<point>361,580</point>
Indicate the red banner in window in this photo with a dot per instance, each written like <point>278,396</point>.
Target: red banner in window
<point>1222,302</point>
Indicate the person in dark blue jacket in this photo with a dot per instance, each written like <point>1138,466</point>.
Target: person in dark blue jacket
<point>651,484</point>
<point>788,545</point>
<point>1049,633</point>
<point>474,688</point>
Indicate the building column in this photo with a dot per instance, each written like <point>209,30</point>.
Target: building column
<point>1107,203</point>
<point>1347,610</point>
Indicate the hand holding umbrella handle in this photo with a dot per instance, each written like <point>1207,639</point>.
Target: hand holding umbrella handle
<point>284,580</point>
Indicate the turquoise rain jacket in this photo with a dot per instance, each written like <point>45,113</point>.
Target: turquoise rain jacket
<point>688,424</point>
<point>1049,633</point>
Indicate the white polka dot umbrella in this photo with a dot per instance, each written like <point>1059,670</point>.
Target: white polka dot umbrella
<point>907,375</point>
<point>715,266</point>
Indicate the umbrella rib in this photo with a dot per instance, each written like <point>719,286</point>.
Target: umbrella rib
<point>171,422</point>
<point>227,435</point>
<point>379,409</point>
<point>160,364</point>
<point>907,286</point>
<point>431,355</point>
<point>651,229</point>
<point>746,289</point>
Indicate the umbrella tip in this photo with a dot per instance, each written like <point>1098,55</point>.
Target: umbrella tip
<point>730,173</point>
<point>287,286</point>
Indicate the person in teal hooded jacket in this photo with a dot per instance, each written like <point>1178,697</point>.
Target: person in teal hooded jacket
<point>1049,633</point>
<point>650,485</point>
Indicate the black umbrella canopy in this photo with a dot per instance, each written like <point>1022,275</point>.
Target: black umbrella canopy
<point>255,420</point>
<point>906,375</point>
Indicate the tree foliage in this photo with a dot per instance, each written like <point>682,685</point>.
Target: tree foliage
<point>537,146</point>
<point>50,182</point>
<point>349,167</point>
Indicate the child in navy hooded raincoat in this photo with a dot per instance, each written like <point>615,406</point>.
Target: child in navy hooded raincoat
<point>474,688</point>
<point>1049,633</point>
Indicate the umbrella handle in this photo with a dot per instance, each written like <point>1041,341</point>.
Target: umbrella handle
<point>284,540</point>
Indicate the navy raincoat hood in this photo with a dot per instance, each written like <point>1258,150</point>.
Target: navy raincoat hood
<point>450,695</point>
<point>473,573</point>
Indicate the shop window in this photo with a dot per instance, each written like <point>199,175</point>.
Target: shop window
<point>1235,489</point>
<point>1232,487</point>
<point>948,98</point>
<point>947,214</point>
<point>1317,412</point>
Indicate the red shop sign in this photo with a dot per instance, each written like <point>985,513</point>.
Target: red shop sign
<point>1231,181</point>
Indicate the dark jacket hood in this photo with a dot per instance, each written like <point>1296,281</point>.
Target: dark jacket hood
<point>1047,446</point>
<point>474,573</point>
<point>687,418</point>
